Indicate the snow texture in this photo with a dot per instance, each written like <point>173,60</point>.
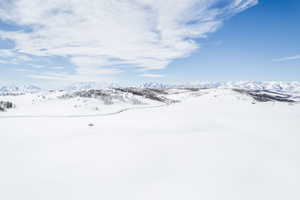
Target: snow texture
<point>212,144</point>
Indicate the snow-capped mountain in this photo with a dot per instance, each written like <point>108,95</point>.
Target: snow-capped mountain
<point>90,85</point>
<point>287,87</point>
<point>155,85</point>
<point>19,89</point>
<point>276,86</point>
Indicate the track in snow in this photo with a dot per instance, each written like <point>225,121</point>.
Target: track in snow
<point>79,116</point>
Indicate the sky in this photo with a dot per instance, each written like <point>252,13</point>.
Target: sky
<point>59,42</point>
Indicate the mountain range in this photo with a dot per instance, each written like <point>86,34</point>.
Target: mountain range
<point>277,86</point>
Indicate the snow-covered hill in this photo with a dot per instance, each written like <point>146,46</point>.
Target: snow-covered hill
<point>216,144</point>
<point>110,100</point>
<point>93,98</point>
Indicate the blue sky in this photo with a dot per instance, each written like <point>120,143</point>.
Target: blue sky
<point>247,45</point>
<point>60,42</point>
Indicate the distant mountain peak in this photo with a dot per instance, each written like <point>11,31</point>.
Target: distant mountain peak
<point>90,85</point>
<point>279,86</point>
<point>19,89</point>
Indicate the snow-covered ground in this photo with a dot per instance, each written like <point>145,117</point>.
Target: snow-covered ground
<point>56,105</point>
<point>216,144</point>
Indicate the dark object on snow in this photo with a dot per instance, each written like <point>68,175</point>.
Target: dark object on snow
<point>4,105</point>
<point>153,94</point>
<point>105,96</point>
<point>109,96</point>
<point>266,95</point>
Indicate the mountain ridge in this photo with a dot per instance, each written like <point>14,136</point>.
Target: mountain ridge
<point>277,86</point>
<point>19,89</point>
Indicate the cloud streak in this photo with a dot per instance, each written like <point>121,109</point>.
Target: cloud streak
<point>148,75</point>
<point>99,36</point>
<point>297,57</point>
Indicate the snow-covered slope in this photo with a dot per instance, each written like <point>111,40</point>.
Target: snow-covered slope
<point>83,102</point>
<point>113,100</point>
<point>214,145</point>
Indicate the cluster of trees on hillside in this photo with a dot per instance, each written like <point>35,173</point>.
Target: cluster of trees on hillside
<point>4,105</point>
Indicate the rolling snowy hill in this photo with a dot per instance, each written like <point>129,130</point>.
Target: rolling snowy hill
<point>84,101</point>
<point>214,144</point>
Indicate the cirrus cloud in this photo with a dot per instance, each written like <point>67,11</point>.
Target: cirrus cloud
<point>98,36</point>
<point>148,75</point>
<point>297,57</point>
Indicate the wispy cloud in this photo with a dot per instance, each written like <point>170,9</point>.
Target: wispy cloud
<point>47,67</point>
<point>297,57</point>
<point>63,77</point>
<point>57,67</point>
<point>153,75</point>
<point>37,66</point>
<point>22,70</point>
<point>6,53</point>
<point>148,34</point>
<point>3,61</point>
<point>11,56</point>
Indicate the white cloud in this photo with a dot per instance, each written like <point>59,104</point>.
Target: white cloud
<point>48,67</point>
<point>148,34</point>
<point>63,77</point>
<point>6,53</point>
<point>22,70</point>
<point>58,77</point>
<point>297,57</point>
<point>24,58</point>
<point>37,66</point>
<point>153,75</point>
<point>57,67</point>
<point>11,56</point>
<point>3,62</point>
